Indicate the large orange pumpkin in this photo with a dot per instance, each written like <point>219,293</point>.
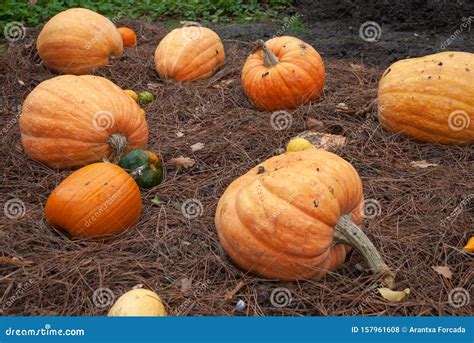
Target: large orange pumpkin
<point>430,98</point>
<point>189,53</point>
<point>283,73</point>
<point>100,199</point>
<point>288,217</point>
<point>78,41</point>
<point>71,121</point>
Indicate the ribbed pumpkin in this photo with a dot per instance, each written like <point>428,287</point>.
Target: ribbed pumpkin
<point>71,121</point>
<point>189,53</point>
<point>430,98</point>
<point>78,41</point>
<point>283,73</point>
<point>294,216</point>
<point>98,200</point>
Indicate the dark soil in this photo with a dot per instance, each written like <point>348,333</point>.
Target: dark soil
<point>414,230</point>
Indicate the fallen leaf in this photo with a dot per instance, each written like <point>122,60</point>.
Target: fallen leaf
<point>197,147</point>
<point>157,201</point>
<point>422,164</point>
<point>21,82</point>
<point>14,261</point>
<point>185,285</point>
<point>443,270</point>
<point>314,123</point>
<point>182,161</point>
<point>325,141</point>
<point>393,296</point>
<point>469,247</point>
<point>138,286</point>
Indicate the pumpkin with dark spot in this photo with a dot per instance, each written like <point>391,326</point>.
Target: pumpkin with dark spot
<point>283,73</point>
<point>144,166</point>
<point>430,98</point>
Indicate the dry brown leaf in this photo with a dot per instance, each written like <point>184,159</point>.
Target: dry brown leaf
<point>14,261</point>
<point>314,124</point>
<point>393,296</point>
<point>422,164</point>
<point>182,161</point>
<point>325,141</point>
<point>443,270</point>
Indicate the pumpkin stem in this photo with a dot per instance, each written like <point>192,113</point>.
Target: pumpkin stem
<point>117,143</point>
<point>190,23</point>
<point>349,233</point>
<point>269,58</point>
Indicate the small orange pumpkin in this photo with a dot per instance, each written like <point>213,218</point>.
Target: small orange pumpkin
<point>78,41</point>
<point>71,121</point>
<point>98,200</point>
<point>189,53</point>
<point>430,98</point>
<point>283,73</point>
<point>129,37</point>
<point>294,216</point>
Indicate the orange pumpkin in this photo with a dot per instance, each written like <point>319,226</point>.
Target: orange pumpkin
<point>78,41</point>
<point>98,200</point>
<point>71,121</point>
<point>129,38</point>
<point>430,98</point>
<point>283,73</point>
<point>294,216</point>
<point>189,53</point>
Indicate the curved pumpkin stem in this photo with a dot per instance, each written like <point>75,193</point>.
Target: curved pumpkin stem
<point>190,23</point>
<point>349,233</point>
<point>269,58</point>
<point>117,143</point>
